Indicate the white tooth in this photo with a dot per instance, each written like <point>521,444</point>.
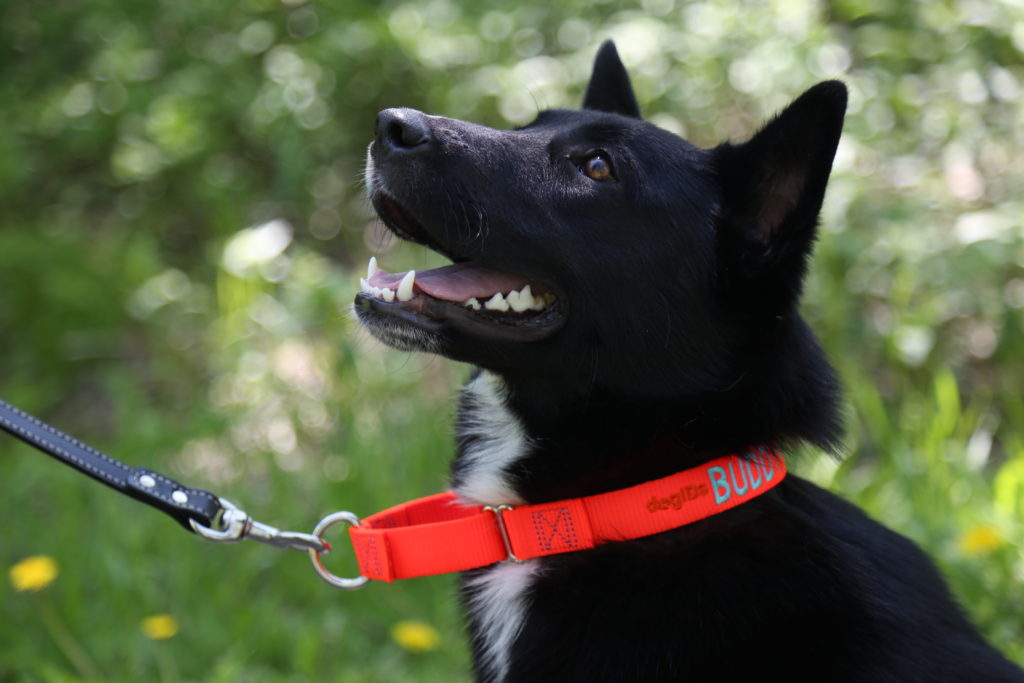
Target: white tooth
<point>376,291</point>
<point>472,303</point>
<point>534,303</point>
<point>389,295</point>
<point>497,303</point>
<point>405,286</point>
<point>520,301</point>
<point>363,284</point>
<point>371,267</point>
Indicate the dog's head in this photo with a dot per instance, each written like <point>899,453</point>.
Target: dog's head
<point>594,250</point>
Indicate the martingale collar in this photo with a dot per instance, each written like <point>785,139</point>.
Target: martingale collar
<point>439,534</point>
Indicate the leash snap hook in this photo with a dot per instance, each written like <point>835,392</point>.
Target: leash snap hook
<point>232,522</point>
<point>236,525</point>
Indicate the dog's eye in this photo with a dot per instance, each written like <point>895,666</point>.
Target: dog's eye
<point>598,167</point>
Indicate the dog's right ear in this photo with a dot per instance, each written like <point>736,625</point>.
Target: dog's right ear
<point>772,190</point>
<point>609,88</point>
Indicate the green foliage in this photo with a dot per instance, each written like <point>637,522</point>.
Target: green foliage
<point>141,140</point>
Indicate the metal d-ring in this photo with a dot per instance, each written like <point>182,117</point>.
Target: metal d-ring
<point>325,524</point>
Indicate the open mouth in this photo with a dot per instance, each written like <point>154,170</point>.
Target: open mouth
<point>466,293</point>
<point>466,283</point>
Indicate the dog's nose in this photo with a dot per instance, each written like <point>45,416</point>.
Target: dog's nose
<point>402,130</point>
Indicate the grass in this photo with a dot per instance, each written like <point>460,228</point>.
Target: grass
<point>290,423</point>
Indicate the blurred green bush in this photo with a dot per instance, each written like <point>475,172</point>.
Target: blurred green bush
<point>183,220</point>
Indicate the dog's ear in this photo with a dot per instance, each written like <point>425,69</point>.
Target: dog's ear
<point>609,88</point>
<point>772,189</point>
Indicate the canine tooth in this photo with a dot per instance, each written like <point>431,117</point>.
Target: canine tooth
<point>472,303</point>
<point>496,303</point>
<point>371,267</point>
<point>405,286</point>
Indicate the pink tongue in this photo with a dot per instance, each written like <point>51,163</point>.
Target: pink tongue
<point>457,282</point>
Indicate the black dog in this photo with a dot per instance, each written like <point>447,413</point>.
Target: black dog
<point>631,302</point>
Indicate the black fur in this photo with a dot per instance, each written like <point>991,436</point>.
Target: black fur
<point>676,339</point>
<point>613,93</point>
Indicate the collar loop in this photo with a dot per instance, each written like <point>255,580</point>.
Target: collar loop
<point>441,534</point>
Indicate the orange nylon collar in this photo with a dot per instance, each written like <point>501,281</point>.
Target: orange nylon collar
<point>440,534</point>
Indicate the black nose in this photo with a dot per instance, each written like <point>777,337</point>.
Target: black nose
<point>402,130</point>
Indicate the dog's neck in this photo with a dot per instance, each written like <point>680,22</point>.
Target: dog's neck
<point>523,441</point>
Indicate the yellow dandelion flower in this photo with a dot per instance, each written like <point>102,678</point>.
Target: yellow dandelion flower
<point>980,540</point>
<point>34,573</point>
<point>160,627</point>
<point>415,636</point>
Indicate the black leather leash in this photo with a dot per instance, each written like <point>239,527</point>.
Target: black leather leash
<point>141,483</point>
<point>202,512</point>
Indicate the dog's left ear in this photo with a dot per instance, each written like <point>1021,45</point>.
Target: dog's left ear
<point>772,190</point>
<point>609,88</point>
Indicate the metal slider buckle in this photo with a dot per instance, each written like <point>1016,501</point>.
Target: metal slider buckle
<point>499,511</point>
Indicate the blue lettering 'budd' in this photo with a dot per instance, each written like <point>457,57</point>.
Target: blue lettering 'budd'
<point>754,470</point>
<point>719,486</point>
<point>765,462</point>
<point>744,467</point>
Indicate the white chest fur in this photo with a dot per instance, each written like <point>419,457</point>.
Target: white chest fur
<point>496,439</point>
<point>498,608</point>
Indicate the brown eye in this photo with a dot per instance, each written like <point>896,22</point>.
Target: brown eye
<point>598,168</point>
